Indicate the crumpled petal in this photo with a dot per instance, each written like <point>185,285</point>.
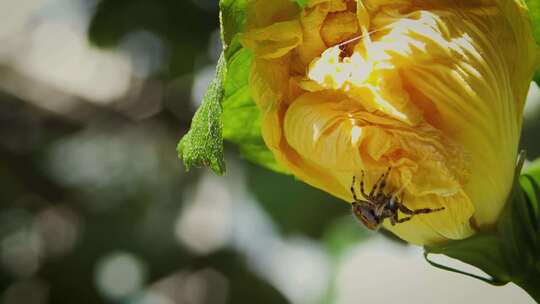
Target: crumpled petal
<point>344,139</point>
<point>274,41</point>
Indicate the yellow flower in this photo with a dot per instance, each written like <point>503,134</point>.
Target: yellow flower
<point>434,89</point>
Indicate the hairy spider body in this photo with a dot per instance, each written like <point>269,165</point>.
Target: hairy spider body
<point>379,205</point>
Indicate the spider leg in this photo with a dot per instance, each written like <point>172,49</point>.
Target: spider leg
<point>399,199</point>
<point>352,189</point>
<point>408,211</point>
<point>403,220</point>
<point>382,184</point>
<point>363,203</point>
<point>376,185</point>
<point>394,219</point>
<point>362,190</point>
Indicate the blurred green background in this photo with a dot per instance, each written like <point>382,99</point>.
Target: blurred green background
<point>95,207</point>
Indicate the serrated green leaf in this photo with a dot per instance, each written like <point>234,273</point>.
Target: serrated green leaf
<point>203,144</point>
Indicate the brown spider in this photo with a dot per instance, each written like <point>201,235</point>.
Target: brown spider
<point>378,205</point>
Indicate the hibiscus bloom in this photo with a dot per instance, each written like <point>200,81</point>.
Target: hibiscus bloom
<point>434,89</point>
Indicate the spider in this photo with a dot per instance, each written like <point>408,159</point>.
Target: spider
<point>377,206</point>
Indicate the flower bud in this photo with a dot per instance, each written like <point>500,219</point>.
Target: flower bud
<point>434,89</point>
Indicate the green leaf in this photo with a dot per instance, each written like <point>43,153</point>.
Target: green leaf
<point>534,13</point>
<point>482,251</point>
<point>228,111</point>
<point>203,144</point>
<point>241,116</point>
<point>512,251</point>
<point>533,169</point>
<point>532,189</point>
<point>259,154</point>
<point>536,77</point>
<point>532,173</point>
<point>516,227</point>
<point>530,183</point>
<point>233,18</point>
<point>301,3</point>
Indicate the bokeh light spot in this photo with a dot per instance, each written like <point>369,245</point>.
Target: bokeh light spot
<point>205,224</point>
<point>119,275</point>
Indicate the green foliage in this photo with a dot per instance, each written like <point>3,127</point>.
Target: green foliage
<point>295,207</point>
<point>537,77</point>
<point>511,253</point>
<point>233,17</point>
<point>473,252</point>
<point>301,3</point>
<point>259,154</point>
<point>534,170</point>
<point>241,116</point>
<point>203,144</point>
<point>534,13</point>
<point>228,103</point>
<point>240,113</point>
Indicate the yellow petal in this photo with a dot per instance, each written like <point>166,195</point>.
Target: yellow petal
<point>261,14</point>
<point>339,27</point>
<point>449,224</point>
<point>273,41</point>
<point>342,140</point>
